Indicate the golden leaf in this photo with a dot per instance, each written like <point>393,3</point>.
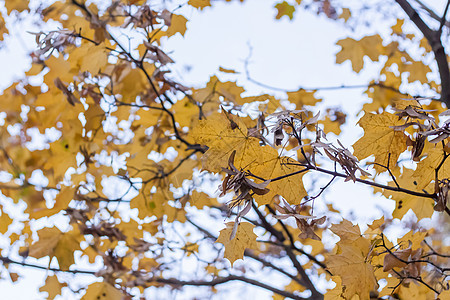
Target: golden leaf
<point>350,260</point>
<point>244,238</point>
<point>201,4</point>
<point>177,25</point>
<point>355,50</point>
<point>54,243</point>
<point>52,286</point>
<point>422,207</point>
<point>102,291</point>
<point>284,9</point>
<point>303,97</point>
<point>380,140</point>
<point>218,134</point>
<point>426,168</point>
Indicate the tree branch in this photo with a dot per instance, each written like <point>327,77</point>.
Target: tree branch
<point>221,280</point>
<point>434,39</point>
<point>7,260</point>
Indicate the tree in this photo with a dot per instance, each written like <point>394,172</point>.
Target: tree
<point>111,158</point>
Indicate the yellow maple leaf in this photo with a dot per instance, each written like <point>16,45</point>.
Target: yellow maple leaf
<point>222,136</point>
<point>336,292</point>
<point>244,238</point>
<point>346,14</point>
<point>94,116</point>
<point>201,4</point>
<point>55,243</point>
<point>271,165</point>
<point>284,9</point>
<point>355,50</point>
<point>200,200</point>
<point>357,274</point>
<point>422,207</point>
<point>102,291</point>
<point>303,97</point>
<point>417,71</point>
<point>216,89</point>
<point>89,57</point>
<point>177,25</point>
<point>19,5</point>
<point>426,168</point>
<point>225,70</point>
<point>52,286</point>
<point>346,230</point>
<point>407,291</point>
<point>380,139</point>
<point>412,239</point>
<point>5,221</point>
<point>3,29</point>
<point>352,258</point>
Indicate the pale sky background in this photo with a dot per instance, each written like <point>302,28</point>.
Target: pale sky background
<point>286,54</point>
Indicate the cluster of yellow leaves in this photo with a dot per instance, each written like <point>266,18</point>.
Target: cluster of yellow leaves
<point>361,260</point>
<point>101,102</point>
<point>351,258</point>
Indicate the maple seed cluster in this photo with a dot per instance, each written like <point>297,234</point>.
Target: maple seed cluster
<point>242,186</point>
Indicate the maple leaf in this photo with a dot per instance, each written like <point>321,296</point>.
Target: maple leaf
<point>303,97</point>
<point>284,9</point>
<point>355,51</point>
<point>336,292</point>
<point>178,25</point>
<point>223,137</point>
<point>89,58</point>
<point>380,140</point>
<point>346,231</point>
<point>52,286</point>
<point>19,5</point>
<point>5,221</point>
<point>426,168</point>
<point>243,238</point>
<point>289,183</point>
<point>102,291</point>
<point>350,260</point>
<point>201,4</point>
<point>54,243</point>
<point>422,207</point>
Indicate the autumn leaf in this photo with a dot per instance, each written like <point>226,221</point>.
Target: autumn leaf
<point>350,260</point>
<point>102,291</point>
<point>244,238</point>
<point>380,140</point>
<point>422,207</point>
<point>303,97</point>
<point>355,51</point>
<point>52,286</point>
<point>201,4</point>
<point>178,25</point>
<point>230,71</point>
<point>289,183</point>
<point>336,292</point>
<point>54,243</point>
<point>5,221</point>
<point>426,168</point>
<point>284,9</point>
<point>223,137</point>
<point>346,231</point>
<point>352,257</point>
